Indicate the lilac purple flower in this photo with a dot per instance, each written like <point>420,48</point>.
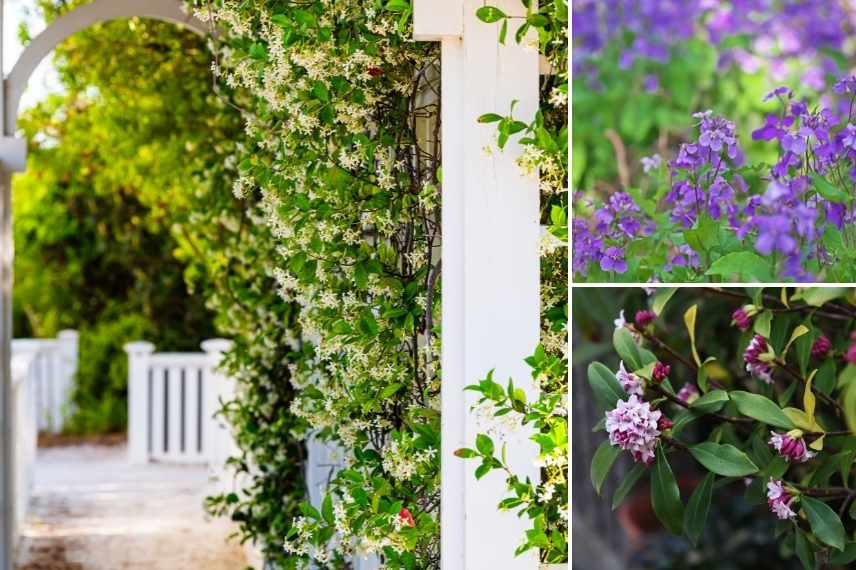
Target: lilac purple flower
<point>688,393</point>
<point>631,383</point>
<point>779,500</point>
<point>752,356</point>
<point>632,426</point>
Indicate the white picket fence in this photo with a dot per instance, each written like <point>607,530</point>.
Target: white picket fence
<point>173,398</point>
<point>42,375</point>
<point>51,373</point>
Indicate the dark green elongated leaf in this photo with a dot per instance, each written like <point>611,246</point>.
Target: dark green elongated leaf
<point>665,495</point>
<point>710,402</point>
<point>804,550</point>
<point>682,420</point>
<point>607,389</point>
<point>723,459</point>
<point>627,484</point>
<point>825,524</point>
<point>845,557</point>
<point>627,349</point>
<point>695,516</point>
<point>327,509</point>
<point>602,462</point>
<point>761,408</point>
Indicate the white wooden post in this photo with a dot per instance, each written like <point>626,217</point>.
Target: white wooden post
<point>490,268</point>
<point>69,341</point>
<point>217,388</point>
<point>138,400</point>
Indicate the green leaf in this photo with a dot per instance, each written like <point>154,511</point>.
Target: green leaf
<point>629,351</point>
<point>804,550</point>
<point>845,557</point>
<point>602,462</point>
<point>627,485</point>
<point>490,118</point>
<point>761,408</point>
<point>490,14</point>
<point>607,389</point>
<point>661,298</point>
<point>537,20</point>
<point>825,524</point>
<point>698,507</point>
<point>742,266</point>
<point>818,296</point>
<point>711,402</point>
<point>665,495</point>
<point>828,191</point>
<point>690,322</point>
<point>466,453</point>
<point>484,444</point>
<point>398,5</point>
<point>763,322</point>
<point>327,509</point>
<point>723,459</point>
<point>389,390</point>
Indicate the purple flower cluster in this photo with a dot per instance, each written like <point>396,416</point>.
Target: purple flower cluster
<point>702,178</point>
<point>786,213</point>
<point>779,500</point>
<point>632,426</point>
<point>601,239</point>
<point>781,32</point>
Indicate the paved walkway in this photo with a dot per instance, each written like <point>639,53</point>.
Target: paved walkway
<point>91,510</point>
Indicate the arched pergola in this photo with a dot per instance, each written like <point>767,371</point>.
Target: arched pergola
<point>13,159</point>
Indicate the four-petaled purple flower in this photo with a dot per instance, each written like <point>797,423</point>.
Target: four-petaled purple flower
<point>613,260</point>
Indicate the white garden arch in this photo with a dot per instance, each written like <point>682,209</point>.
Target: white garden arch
<point>13,159</point>
<point>490,253</point>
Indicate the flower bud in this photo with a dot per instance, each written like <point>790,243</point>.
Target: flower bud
<point>644,318</point>
<point>741,319</point>
<point>664,423</point>
<point>821,347</point>
<point>660,372</point>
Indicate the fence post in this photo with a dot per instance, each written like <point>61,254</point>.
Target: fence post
<point>68,341</point>
<point>490,277</point>
<point>218,388</point>
<point>138,400</point>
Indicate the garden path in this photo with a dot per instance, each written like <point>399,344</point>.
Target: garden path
<point>92,510</point>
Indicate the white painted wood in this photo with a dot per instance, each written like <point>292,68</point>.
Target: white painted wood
<point>157,413</point>
<point>192,425</point>
<point>25,434</point>
<point>138,400</point>
<point>436,19</point>
<point>174,413</point>
<point>490,276</point>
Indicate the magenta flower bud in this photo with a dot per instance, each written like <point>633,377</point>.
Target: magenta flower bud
<point>793,449</point>
<point>850,356</point>
<point>821,347</point>
<point>741,319</point>
<point>664,423</point>
<point>660,372</point>
<point>644,318</point>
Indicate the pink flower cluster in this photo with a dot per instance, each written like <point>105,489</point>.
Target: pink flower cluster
<point>754,364</point>
<point>793,449</point>
<point>632,426</point>
<point>629,381</point>
<point>779,500</point>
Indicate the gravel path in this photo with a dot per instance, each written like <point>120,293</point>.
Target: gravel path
<point>91,510</point>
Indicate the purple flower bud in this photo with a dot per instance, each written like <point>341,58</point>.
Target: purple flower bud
<point>688,393</point>
<point>754,364</point>
<point>664,423</point>
<point>644,318</point>
<point>793,449</point>
<point>821,347</point>
<point>741,319</point>
<point>660,372</point>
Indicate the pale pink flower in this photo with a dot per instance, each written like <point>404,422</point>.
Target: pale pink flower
<point>629,381</point>
<point>779,500</point>
<point>793,449</point>
<point>754,364</point>
<point>632,426</point>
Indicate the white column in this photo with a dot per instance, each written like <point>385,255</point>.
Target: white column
<point>217,441</point>
<point>68,341</point>
<point>490,269</point>
<point>138,400</point>
<point>7,419</point>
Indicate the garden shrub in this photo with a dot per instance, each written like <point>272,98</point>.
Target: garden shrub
<point>762,405</point>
